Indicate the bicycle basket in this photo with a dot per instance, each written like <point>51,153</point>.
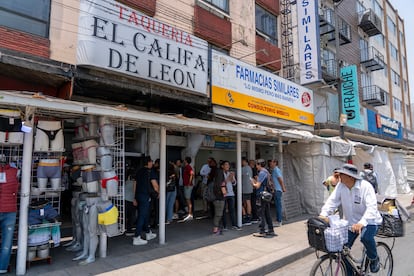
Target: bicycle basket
<point>335,238</point>
<point>392,226</point>
<point>316,236</point>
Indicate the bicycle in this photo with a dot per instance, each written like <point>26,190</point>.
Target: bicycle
<point>333,263</point>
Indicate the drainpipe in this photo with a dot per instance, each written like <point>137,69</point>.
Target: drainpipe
<point>239,181</point>
<point>162,184</point>
<point>24,198</point>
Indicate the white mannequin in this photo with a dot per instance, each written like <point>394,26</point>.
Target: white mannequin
<point>90,230</point>
<point>76,226</point>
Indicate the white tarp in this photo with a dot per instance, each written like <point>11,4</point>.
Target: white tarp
<point>389,166</point>
<point>311,163</point>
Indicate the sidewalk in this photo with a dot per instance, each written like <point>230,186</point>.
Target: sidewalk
<point>192,250</point>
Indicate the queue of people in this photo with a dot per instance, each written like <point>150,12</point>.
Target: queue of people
<point>217,191</point>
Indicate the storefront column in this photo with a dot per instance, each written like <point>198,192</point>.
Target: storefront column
<point>280,144</point>
<point>252,150</point>
<point>239,181</point>
<point>162,184</point>
<point>24,199</point>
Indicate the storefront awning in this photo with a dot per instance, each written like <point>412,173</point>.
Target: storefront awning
<point>54,106</point>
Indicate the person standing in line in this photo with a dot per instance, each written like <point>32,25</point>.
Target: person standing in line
<point>230,180</point>
<point>145,179</point>
<point>263,207</point>
<point>171,188</point>
<point>279,190</point>
<point>130,209</point>
<point>255,216</point>
<point>247,191</point>
<point>180,200</point>
<point>188,178</point>
<point>204,172</point>
<point>216,177</point>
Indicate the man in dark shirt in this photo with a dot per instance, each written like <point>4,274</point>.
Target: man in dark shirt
<point>145,178</point>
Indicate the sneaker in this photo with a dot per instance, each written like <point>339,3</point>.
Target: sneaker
<point>277,224</point>
<point>374,265</point>
<point>149,236</point>
<point>175,216</point>
<point>255,221</point>
<point>271,234</point>
<point>138,241</point>
<point>225,229</point>
<point>235,227</point>
<point>168,222</point>
<point>259,235</point>
<point>129,233</point>
<point>187,218</point>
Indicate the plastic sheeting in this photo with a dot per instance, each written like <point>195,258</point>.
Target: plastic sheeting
<point>311,163</point>
<point>388,164</point>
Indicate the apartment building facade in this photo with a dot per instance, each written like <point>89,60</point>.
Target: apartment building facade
<point>370,36</point>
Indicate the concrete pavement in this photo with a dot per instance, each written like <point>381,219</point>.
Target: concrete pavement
<point>192,250</point>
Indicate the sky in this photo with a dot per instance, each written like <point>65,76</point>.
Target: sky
<point>405,10</point>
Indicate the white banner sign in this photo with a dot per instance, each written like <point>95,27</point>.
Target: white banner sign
<point>239,85</point>
<point>309,46</point>
<point>115,37</point>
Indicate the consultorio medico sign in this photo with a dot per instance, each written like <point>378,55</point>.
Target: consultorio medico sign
<point>115,37</point>
<point>242,86</point>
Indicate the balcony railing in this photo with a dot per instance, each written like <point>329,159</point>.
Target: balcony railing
<point>329,70</point>
<point>369,22</point>
<point>326,21</point>
<point>374,95</point>
<point>372,59</point>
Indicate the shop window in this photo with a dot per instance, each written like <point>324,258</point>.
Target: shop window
<point>21,15</point>
<point>266,25</point>
<point>223,5</point>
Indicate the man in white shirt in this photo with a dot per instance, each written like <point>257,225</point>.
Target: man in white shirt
<point>359,204</point>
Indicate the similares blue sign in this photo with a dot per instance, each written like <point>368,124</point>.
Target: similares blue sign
<point>350,96</point>
<point>384,125</point>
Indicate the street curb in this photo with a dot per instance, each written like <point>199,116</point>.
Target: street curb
<point>268,268</point>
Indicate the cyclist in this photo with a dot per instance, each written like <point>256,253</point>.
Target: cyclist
<point>359,204</point>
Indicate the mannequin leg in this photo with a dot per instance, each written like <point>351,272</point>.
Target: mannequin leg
<point>85,222</point>
<point>93,235</point>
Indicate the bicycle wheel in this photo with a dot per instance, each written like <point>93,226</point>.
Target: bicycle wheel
<point>328,265</point>
<point>385,258</point>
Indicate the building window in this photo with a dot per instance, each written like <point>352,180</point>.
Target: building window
<point>220,4</point>
<point>407,110</point>
<point>359,7</point>
<point>391,26</point>
<point>385,70</point>
<point>394,51</point>
<point>380,39</point>
<point>395,78</point>
<point>378,9</point>
<point>397,105</point>
<point>266,25</point>
<point>404,62</point>
<point>402,38</point>
<point>405,86</point>
<point>21,15</point>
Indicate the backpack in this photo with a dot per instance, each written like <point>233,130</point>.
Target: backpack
<point>369,176</point>
<point>270,184</point>
<point>210,194</point>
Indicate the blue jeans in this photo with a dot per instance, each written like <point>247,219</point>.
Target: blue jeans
<point>170,204</point>
<point>144,201</point>
<point>368,240</point>
<point>229,203</point>
<point>7,223</point>
<point>278,205</point>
